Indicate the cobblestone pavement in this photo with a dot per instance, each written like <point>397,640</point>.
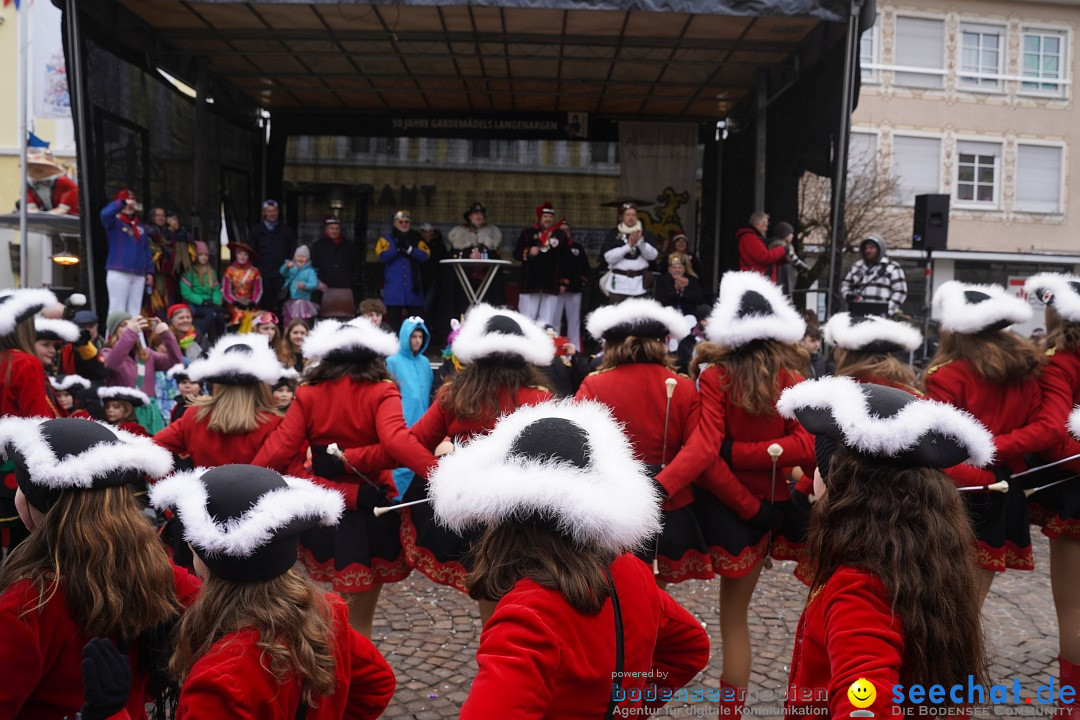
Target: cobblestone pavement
<point>429,635</point>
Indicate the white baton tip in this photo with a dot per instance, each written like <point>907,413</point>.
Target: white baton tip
<point>775,450</point>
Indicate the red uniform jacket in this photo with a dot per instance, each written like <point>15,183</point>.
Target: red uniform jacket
<point>210,449</point>
<point>24,389</point>
<point>756,255</point>
<point>438,423</point>
<point>846,632</point>
<point>1059,384</point>
<point>541,658</point>
<point>231,681</point>
<point>41,654</point>
<point>350,414</point>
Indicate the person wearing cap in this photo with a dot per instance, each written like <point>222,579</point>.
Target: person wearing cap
<point>163,246</point>
<point>129,363</point>
<point>783,234</point>
<point>347,398</point>
<point>579,628</point>
<point>83,356</point>
<point>541,250</point>
<point>24,388</point>
<point>402,252</point>
<point>68,391</point>
<point>119,408</point>
<point>685,351</point>
<point>241,287</point>
<point>751,357</point>
<point>501,352</point>
<point>475,233</point>
<point>261,641</point>
<point>628,253</point>
<point>200,289</point>
<point>875,278</point>
<point>991,373</point>
<point>48,186</point>
<point>88,321</point>
<point>186,391</point>
<point>182,325</point>
<point>864,348</point>
<point>273,242</point>
<point>677,243</point>
<point>894,599</point>
<point>51,336</point>
<point>301,279</point>
<point>678,287</point>
<point>129,266</point>
<point>340,265</point>
<point>67,583</point>
<point>431,272</point>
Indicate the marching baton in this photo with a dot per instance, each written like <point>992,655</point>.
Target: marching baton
<point>380,511</point>
<point>333,450</point>
<point>1030,491</point>
<point>669,390</point>
<point>775,451</point>
<point>1001,486</point>
<point>1047,465</point>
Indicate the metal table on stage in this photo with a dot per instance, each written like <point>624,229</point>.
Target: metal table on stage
<point>461,268</point>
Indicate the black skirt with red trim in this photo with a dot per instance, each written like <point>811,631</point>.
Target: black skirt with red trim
<point>440,554</point>
<point>1057,509</point>
<point>680,551</point>
<point>362,551</point>
<point>1002,530</point>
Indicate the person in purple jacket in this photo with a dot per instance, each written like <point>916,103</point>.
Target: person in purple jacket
<point>130,264</point>
<point>130,363</point>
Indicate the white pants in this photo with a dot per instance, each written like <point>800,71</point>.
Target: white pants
<point>570,303</point>
<point>125,291</point>
<point>538,307</point>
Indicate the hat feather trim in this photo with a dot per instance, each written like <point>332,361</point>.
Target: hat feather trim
<point>874,435</point>
<point>24,302</point>
<point>120,392</point>
<point>177,369</point>
<point>330,337</point>
<point>634,312</point>
<point>127,452</point>
<point>63,329</point>
<point>840,331</point>
<point>611,503</point>
<point>69,382</point>
<point>725,328</point>
<point>474,341</point>
<point>1054,289</point>
<point>240,537</point>
<point>237,368</point>
<point>960,316</point>
<point>1074,422</point>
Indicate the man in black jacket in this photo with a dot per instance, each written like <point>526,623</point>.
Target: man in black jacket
<point>274,242</point>
<point>339,264</point>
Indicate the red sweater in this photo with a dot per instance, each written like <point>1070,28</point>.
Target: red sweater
<point>846,632</point>
<point>24,389</point>
<point>350,414</point>
<point>755,254</point>
<point>231,680</point>
<point>211,449</point>
<point>41,654</point>
<point>541,658</point>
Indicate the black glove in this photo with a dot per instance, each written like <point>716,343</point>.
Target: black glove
<point>766,518</point>
<point>370,497</point>
<point>800,503</point>
<point>106,679</point>
<point>84,338</point>
<point>324,464</point>
<point>725,449</point>
<point>402,245</point>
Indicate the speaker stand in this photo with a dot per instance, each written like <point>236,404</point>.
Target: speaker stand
<point>928,275</point>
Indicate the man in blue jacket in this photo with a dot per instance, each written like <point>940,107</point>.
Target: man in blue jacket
<point>402,251</point>
<point>129,267</point>
<point>411,369</point>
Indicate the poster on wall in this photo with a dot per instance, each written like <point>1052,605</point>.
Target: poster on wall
<point>658,163</point>
<point>48,70</point>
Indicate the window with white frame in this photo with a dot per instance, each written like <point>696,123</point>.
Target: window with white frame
<point>1043,60</point>
<point>868,53</point>
<point>978,174</point>
<point>981,55</point>
<point>920,50</point>
<point>862,152</point>
<point>1038,178</point>
<point>916,164</point>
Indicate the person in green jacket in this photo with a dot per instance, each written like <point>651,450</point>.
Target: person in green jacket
<point>199,286</point>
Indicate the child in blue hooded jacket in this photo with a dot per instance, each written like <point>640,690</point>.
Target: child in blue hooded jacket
<point>412,370</point>
<point>301,280</point>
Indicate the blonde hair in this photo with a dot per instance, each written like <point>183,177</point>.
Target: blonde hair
<point>634,349</point>
<point>288,612</point>
<point>234,409</point>
<point>753,370</point>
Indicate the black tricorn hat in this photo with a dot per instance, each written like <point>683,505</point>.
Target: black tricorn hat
<point>475,207</point>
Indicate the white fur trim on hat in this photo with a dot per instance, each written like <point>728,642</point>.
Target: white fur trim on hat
<point>1074,422</point>
<point>611,503</point>
<point>1058,290</point>
<point>783,324</point>
<point>359,334</point>
<point>127,452</point>
<point>185,493</point>
<point>475,342</point>
<point>177,369</point>
<point>69,382</point>
<point>23,303</point>
<point>959,315</point>
<point>845,399</point>
<point>237,367</point>
<point>62,329</point>
<point>120,392</point>
<point>842,332</point>
<point>636,311</point>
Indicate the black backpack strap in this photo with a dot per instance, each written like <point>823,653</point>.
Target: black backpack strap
<point>617,682</point>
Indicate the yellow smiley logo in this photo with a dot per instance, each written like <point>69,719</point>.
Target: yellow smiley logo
<point>862,693</point>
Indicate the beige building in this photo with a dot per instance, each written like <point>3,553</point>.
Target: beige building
<point>977,100</point>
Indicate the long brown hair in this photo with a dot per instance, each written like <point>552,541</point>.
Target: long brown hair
<point>999,356</point>
<point>235,408</point>
<point>1060,333</point>
<point>635,349</point>
<point>113,571</point>
<point>475,391</point>
<point>511,551</point>
<point>289,614</point>
<point>371,371</point>
<point>285,353</point>
<point>866,366</point>
<point>22,337</point>
<point>753,370</point>
<point>909,528</point>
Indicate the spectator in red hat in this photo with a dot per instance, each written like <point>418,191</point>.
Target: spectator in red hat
<point>129,267</point>
<point>542,252</point>
<point>182,324</point>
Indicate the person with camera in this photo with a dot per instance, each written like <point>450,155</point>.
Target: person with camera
<point>130,264</point>
<point>875,278</point>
